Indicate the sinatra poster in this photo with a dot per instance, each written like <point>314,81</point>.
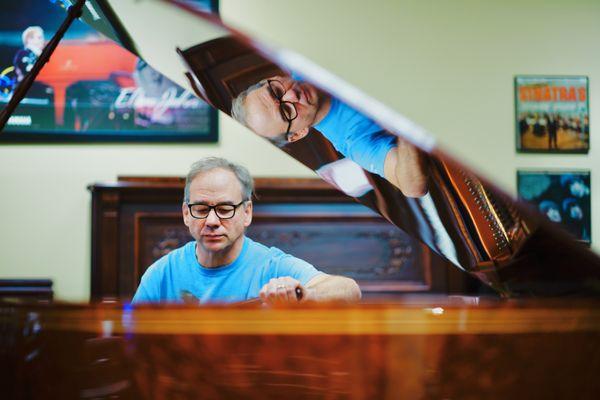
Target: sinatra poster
<point>552,114</point>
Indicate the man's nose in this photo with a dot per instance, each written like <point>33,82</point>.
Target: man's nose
<point>212,219</point>
<point>291,95</point>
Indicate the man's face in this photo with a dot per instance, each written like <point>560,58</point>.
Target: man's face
<point>214,235</point>
<point>35,41</point>
<point>262,108</point>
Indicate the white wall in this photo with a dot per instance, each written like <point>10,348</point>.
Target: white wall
<point>448,65</point>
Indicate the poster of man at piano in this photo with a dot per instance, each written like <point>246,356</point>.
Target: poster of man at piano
<point>552,114</point>
<point>92,89</point>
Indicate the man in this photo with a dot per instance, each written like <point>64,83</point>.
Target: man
<point>33,44</point>
<point>222,264</point>
<point>552,131</point>
<point>283,110</point>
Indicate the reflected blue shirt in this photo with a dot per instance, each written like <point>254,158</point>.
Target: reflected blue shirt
<point>178,274</point>
<point>356,136</point>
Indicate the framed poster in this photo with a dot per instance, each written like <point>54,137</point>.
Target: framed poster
<point>562,196</point>
<point>92,89</point>
<point>552,114</point>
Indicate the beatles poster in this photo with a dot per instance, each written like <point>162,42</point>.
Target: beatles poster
<point>563,198</point>
<point>552,114</point>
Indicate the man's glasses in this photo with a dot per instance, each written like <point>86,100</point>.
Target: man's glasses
<point>287,109</point>
<point>223,211</point>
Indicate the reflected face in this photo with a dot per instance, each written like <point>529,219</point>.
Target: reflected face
<point>263,114</point>
<point>212,234</point>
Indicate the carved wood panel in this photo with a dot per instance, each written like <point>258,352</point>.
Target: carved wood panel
<point>364,247</point>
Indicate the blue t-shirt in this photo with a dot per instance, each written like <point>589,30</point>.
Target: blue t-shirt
<point>356,136</point>
<point>178,274</point>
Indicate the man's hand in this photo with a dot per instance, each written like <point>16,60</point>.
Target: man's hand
<point>281,291</point>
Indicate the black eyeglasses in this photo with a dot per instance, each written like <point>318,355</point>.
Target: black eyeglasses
<point>223,211</point>
<point>287,109</point>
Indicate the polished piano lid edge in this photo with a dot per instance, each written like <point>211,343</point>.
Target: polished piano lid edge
<point>340,321</point>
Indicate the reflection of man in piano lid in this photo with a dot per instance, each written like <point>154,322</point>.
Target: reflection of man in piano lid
<point>283,110</point>
<point>221,264</point>
<point>33,44</point>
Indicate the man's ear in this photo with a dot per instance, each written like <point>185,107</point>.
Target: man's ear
<point>186,214</point>
<point>295,136</point>
<point>248,214</point>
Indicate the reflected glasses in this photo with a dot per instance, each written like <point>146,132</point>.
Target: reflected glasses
<point>223,211</point>
<point>287,109</point>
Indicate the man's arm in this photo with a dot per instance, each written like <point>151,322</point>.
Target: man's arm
<point>325,287</point>
<point>322,287</point>
<point>406,168</point>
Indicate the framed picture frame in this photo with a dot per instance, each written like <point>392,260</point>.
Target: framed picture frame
<point>564,197</point>
<point>93,89</point>
<point>552,114</point>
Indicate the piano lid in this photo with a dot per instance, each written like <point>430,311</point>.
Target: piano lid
<point>364,148</point>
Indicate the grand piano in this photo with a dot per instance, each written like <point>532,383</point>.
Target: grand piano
<point>535,334</point>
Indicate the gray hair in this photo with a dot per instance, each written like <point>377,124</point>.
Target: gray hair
<point>238,112</point>
<point>30,31</point>
<point>208,164</point>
